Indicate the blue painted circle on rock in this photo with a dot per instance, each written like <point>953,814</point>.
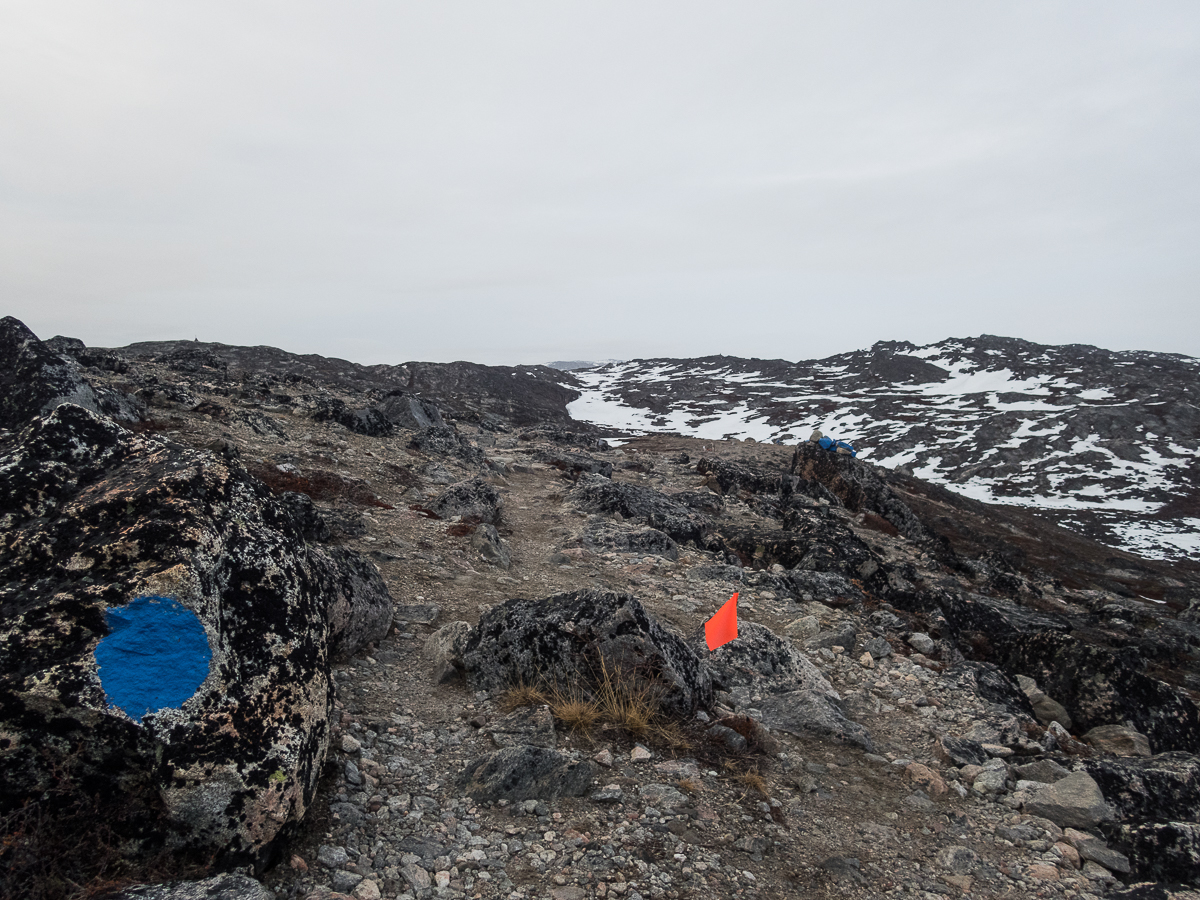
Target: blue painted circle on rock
<point>155,656</point>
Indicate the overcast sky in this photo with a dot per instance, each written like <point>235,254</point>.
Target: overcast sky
<point>517,182</point>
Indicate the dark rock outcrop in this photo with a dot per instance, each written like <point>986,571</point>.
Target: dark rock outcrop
<point>599,494</point>
<point>93,517</point>
<point>446,441</point>
<point>1160,788</point>
<point>34,379</point>
<point>572,465</point>
<point>366,420</point>
<point>1165,851</point>
<point>572,638</point>
<point>405,410</point>
<point>1099,687</point>
<point>601,536</point>
<point>474,500</point>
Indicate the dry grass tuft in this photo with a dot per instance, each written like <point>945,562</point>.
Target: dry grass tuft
<point>753,781</point>
<point>689,785</point>
<point>613,699</point>
<point>520,695</point>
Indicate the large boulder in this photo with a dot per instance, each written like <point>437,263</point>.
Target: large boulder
<point>572,638</point>
<point>765,672</point>
<point>409,411</point>
<point>210,712</point>
<point>475,500</point>
<point>1075,801</point>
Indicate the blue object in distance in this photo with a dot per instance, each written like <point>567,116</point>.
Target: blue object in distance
<point>155,656</point>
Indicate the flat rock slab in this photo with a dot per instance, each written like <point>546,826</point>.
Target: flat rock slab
<point>526,773</point>
<point>532,726</point>
<point>417,613</point>
<point>1074,801</point>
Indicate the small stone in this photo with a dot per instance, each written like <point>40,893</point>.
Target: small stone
<point>332,857</point>
<point>610,793</point>
<point>959,751</point>
<point>922,643</point>
<point>345,881</point>
<point>925,777</point>
<point>442,879</point>
<point>1043,872</point>
<point>997,751</point>
<point>604,758</point>
<point>990,781</point>
<point>350,744</point>
<point>640,753</point>
<point>878,647</point>
<point>297,862</point>
<point>571,892</point>
<point>867,661</point>
<point>959,860</point>
<point>1069,854</point>
<point>1046,771</point>
<point>1099,852</point>
<point>417,877</point>
<point>962,882</point>
<point>367,890</point>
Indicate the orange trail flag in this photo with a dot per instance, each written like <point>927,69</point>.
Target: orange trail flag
<point>722,627</point>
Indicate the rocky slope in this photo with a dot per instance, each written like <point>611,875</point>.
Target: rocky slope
<point>929,696</point>
<point>1105,443</point>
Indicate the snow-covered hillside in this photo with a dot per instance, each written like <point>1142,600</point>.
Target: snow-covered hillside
<point>1106,442</point>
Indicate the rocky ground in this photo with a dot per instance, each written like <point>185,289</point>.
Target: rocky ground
<point>925,772</point>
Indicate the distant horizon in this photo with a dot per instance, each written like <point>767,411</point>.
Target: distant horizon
<point>616,360</point>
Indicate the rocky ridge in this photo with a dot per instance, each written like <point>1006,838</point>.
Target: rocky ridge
<point>887,747</point>
<point>1105,443</point>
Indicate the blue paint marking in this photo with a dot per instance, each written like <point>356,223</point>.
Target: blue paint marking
<point>155,657</point>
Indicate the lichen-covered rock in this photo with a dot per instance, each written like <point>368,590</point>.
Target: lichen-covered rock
<point>93,517</point>
<point>475,500</point>
<point>446,441</point>
<point>1118,740</point>
<point>1098,687</point>
<point>1164,851</point>
<point>765,672</point>
<point>34,379</point>
<point>596,493</point>
<point>1158,788</point>
<point>602,536</point>
<point>571,638</point>
<point>529,725</point>
<point>575,464</point>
